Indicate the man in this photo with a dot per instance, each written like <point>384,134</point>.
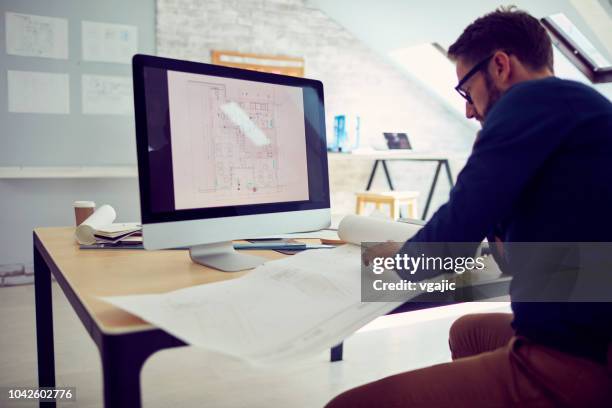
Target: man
<point>539,172</point>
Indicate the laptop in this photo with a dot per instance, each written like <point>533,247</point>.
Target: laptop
<point>397,140</point>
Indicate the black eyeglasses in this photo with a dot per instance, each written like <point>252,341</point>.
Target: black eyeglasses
<point>467,77</point>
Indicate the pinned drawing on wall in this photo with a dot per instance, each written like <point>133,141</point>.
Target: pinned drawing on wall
<point>29,35</point>
<point>104,42</point>
<point>38,92</point>
<point>107,95</point>
<point>266,63</point>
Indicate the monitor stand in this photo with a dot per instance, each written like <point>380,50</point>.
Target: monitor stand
<point>224,257</point>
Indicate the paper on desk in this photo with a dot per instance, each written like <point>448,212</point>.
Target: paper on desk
<point>283,309</point>
<point>104,215</point>
<point>354,228</point>
<point>357,229</point>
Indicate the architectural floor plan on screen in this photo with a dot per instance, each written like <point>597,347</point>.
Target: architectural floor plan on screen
<point>236,142</point>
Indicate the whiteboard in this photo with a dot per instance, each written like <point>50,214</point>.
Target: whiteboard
<point>65,100</point>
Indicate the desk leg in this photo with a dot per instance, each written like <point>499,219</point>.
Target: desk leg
<point>387,174</point>
<point>372,174</point>
<point>432,188</point>
<point>123,357</point>
<point>44,324</point>
<point>449,174</point>
<point>121,366</point>
<point>336,353</point>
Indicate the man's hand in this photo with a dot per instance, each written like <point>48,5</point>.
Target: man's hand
<point>384,250</point>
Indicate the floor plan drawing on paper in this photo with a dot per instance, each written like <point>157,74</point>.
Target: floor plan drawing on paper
<point>36,36</point>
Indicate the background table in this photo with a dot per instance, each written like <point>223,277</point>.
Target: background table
<point>382,156</point>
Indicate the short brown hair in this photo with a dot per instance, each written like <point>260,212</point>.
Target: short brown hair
<point>506,29</point>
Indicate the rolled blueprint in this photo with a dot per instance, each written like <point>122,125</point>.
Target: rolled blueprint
<point>356,229</point>
<point>104,215</point>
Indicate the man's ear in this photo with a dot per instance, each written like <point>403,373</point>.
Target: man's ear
<point>501,68</point>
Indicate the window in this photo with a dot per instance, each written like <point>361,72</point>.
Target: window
<point>428,64</point>
<point>577,48</point>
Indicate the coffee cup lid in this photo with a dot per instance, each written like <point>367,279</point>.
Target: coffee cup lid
<point>84,204</point>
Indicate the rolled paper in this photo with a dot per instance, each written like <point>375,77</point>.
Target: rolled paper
<point>104,215</point>
<point>357,229</point>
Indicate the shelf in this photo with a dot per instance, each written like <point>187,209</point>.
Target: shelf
<point>71,172</point>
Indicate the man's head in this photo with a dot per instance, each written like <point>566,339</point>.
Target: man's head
<point>497,51</point>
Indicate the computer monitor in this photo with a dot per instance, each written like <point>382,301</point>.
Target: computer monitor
<point>227,153</point>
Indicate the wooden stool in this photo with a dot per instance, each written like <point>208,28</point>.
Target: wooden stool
<point>395,199</point>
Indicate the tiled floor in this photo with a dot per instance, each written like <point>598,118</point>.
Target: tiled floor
<point>190,377</point>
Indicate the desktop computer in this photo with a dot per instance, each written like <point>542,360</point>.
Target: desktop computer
<point>227,153</point>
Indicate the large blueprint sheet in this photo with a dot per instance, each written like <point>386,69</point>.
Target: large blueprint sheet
<point>283,309</point>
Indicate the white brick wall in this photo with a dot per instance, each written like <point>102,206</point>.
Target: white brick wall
<point>357,80</point>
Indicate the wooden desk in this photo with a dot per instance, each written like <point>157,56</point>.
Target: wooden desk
<point>124,341</point>
<point>382,156</point>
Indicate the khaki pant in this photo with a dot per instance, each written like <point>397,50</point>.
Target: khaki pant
<point>491,367</point>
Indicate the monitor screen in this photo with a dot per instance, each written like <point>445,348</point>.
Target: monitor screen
<point>216,141</point>
<point>235,142</point>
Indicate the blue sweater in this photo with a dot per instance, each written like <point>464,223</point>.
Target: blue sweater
<point>540,172</point>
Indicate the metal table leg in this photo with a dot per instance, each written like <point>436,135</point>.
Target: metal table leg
<point>372,174</point>
<point>121,366</point>
<point>447,169</point>
<point>432,189</point>
<point>44,324</point>
<point>123,357</point>
<point>449,174</point>
<point>121,380</point>
<point>387,174</point>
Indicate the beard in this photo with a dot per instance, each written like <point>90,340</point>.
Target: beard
<point>494,94</point>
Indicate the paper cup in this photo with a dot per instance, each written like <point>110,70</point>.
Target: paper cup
<point>82,210</point>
